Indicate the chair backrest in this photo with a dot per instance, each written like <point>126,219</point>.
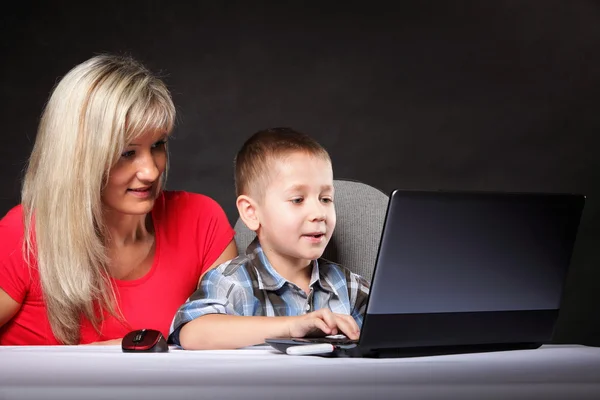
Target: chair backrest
<point>360,210</point>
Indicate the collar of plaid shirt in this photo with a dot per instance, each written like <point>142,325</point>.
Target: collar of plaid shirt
<point>268,277</point>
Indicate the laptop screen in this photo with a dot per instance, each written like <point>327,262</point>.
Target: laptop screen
<point>469,252</point>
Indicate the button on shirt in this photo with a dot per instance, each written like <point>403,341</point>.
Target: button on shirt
<point>249,286</point>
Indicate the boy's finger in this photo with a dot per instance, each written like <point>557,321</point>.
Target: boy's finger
<point>348,330</point>
<point>354,326</point>
<point>329,318</point>
<point>348,326</point>
<point>320,324</point>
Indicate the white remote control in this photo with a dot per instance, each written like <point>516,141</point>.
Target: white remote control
<point>310,349</point>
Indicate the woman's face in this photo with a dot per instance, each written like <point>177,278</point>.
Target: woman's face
<point>134,181</point>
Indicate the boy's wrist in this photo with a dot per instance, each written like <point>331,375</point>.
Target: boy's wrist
<point>283,327</point>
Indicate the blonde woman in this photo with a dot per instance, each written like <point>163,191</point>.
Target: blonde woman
<point>97,248</point>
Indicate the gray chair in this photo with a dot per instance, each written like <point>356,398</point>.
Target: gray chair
<point>360,210</point>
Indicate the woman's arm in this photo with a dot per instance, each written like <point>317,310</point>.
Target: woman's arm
<point>8,307</point>
<point>229,253</point>
<point>112,342</point>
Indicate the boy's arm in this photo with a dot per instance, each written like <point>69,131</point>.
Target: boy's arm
<point>216,294</point>
<point>219,315</point>
<point>218,331</point>
<point>221,331</point>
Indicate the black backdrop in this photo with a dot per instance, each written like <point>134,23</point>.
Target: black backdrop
<point>479,95</point>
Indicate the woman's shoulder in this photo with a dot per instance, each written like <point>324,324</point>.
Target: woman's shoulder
<point>12,222</point>
<point>15,212</point>
<point>187,208</point>
<point>185,201</point>
<point>11,234</point>
<point>185,217</point>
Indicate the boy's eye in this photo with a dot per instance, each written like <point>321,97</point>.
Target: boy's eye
<point>327,200</point>
<point>297,200</point>
<point>128,154</point>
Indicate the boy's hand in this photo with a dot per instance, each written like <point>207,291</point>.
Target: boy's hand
<point>325,321</point>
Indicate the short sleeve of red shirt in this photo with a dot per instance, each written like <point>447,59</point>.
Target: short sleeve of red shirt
<point>14,274</point>
<point>213,232</point>
<point>215,227</point>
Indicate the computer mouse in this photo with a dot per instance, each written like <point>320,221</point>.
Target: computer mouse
<point>144,341</point>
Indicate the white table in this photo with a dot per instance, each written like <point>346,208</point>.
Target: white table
<point>104,372</point>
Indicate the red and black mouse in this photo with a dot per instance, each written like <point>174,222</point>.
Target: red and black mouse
<point>144,341</point>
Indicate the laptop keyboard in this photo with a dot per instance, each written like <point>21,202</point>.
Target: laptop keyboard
<point>333,341</point>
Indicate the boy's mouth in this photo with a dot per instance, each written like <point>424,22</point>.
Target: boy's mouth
<point>314,235</point>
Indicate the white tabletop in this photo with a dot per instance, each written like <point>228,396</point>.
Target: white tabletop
<point>104,372</point>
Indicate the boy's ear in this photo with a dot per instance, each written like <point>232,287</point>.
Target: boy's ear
<point>247,208</point>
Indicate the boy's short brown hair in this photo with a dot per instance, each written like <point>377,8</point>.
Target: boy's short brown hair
<point>254,160</point>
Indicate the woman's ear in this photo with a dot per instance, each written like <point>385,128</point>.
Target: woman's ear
<point>247,208</point>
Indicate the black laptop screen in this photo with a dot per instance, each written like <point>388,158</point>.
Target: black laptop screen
<point>469,252</point>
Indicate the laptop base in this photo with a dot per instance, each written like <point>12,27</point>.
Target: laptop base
<point>449,350</point>
<point>354,350</point>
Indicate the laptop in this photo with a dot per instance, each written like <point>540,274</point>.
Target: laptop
<point>462,272</point>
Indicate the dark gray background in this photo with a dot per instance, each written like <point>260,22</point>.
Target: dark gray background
<point>486,95</point>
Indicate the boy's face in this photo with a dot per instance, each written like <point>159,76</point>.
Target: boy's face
<point>296,214</point>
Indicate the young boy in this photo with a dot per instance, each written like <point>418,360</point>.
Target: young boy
<point>280,287</point>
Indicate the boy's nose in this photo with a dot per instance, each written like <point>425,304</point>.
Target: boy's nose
<point>317,212</point>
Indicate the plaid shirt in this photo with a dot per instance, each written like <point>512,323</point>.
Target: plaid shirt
<point>249,286</point>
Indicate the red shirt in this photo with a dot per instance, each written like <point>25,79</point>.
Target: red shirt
<point>191,232</point>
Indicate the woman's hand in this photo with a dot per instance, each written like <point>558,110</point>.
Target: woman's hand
<point>8,307</point>
<point>111,342</point>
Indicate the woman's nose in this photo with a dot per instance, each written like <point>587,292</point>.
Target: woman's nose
<point>148,169</point>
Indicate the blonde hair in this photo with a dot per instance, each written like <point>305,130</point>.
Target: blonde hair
<point>93,113</point>
<point>255,159</point>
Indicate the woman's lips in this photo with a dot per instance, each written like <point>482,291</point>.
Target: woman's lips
<point>141,193</point>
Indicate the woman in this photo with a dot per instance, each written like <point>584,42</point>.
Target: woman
<point>96,248</point>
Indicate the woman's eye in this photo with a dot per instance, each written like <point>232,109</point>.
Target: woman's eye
<point>158,144</point>
<point>128,154</point>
